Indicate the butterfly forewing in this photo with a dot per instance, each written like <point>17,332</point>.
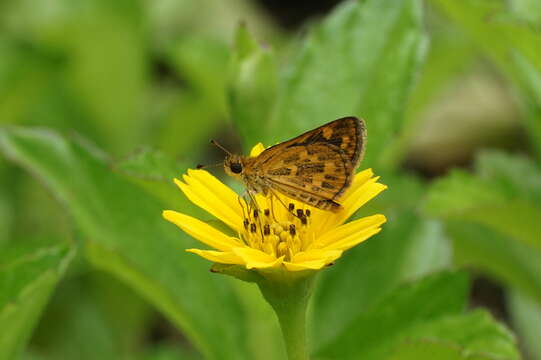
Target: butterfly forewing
<point>315,167</point>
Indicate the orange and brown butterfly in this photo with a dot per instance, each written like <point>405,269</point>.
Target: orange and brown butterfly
<point>315,168</point>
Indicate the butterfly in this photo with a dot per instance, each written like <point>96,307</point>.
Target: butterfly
<point>315,168</point>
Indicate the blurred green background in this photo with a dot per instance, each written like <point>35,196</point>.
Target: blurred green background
<point>103,102</point>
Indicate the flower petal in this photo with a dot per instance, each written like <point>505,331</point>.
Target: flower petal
<point>202,231</point>
<point>317,254</point>
<point>312,259</point>
<point>307,265</point>
<point>218,256</point>
<point>212,195</point>
<point>344,233</point>
<point>353,240</point>
<point>257,149</point>
<point>254,258</point>
<point>362,191</point>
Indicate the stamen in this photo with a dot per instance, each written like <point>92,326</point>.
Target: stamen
<point>256,213</point>
<point>281,249</point>
<point>267,212</point>
<point>266,230</point>
<point>246,222</point>
<point>277,228</point>
<point>253,228</point>
<point>307,212</point>
<point>291,207</point>
<point>292,230</point>
<point>300,213</point>
<point>304,220</point>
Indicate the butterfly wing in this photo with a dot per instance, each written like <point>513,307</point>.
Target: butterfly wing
<point>315,167</point>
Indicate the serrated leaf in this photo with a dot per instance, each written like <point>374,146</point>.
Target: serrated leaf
<point>27,279</point>
<point>374,333</point>
<point>475,334</point>
<point>126,235</point>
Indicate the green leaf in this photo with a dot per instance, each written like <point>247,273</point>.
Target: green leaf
<point>467,336</point>
<point>373,334</point>
<point>529,10</point>
<point>28,275</point>
<point>526,319</point>
<point>78,312</point>
<point>150,164</point>
<point>252,87</point>
<point>427,350</point>
<point>502,258</point>
<point>127,236</point>
<point>505,196</point>
<point>370,271</point>
<point>360,61</point>
<point>475,333</point>
<point>167,352</point>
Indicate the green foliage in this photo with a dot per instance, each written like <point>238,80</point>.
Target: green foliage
<point>120,238</point>
<point>375,331</point>
<point>493,218</point>
<point>28,276</point>
<point>103,103</point>
<point>362,56</point>
<point>527,321</point>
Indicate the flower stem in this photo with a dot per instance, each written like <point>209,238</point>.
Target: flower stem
<point>289,299</point>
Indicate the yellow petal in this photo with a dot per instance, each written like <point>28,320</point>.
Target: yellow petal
<point>307,265</point>
<point>348,231</point>
<point>354,240</point>
<point>210,194</point>
<point>218,256</point>
<point>254,258</point>
<point>256,150</point>
<point>316,254</point>
<point>321,217</point>
<point>312,259</point>
<point>202,231</point>
<point>352,201</point>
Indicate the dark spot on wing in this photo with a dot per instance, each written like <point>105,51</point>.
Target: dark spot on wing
<point>322,157</point>
<point>331,177</point>
<point>336,141</point>
<point>310,168</point>
<point>327,185</point>
<point>279,172</point>
<point>292,159</point>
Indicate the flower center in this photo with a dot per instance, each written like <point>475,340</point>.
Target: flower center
<point>277,234</point>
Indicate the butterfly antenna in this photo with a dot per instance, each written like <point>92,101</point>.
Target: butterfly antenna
<point>201,166</point>
<point>215,143</point>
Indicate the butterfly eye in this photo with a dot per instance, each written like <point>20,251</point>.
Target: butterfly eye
<point>236,168</point>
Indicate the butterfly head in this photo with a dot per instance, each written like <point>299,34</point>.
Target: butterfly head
<point>234,165</point>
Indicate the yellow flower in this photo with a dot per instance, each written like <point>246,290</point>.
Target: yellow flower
<point>273,237</point>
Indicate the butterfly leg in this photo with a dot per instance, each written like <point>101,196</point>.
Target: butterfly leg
<point>256,212</point>
<point>287,207</point>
